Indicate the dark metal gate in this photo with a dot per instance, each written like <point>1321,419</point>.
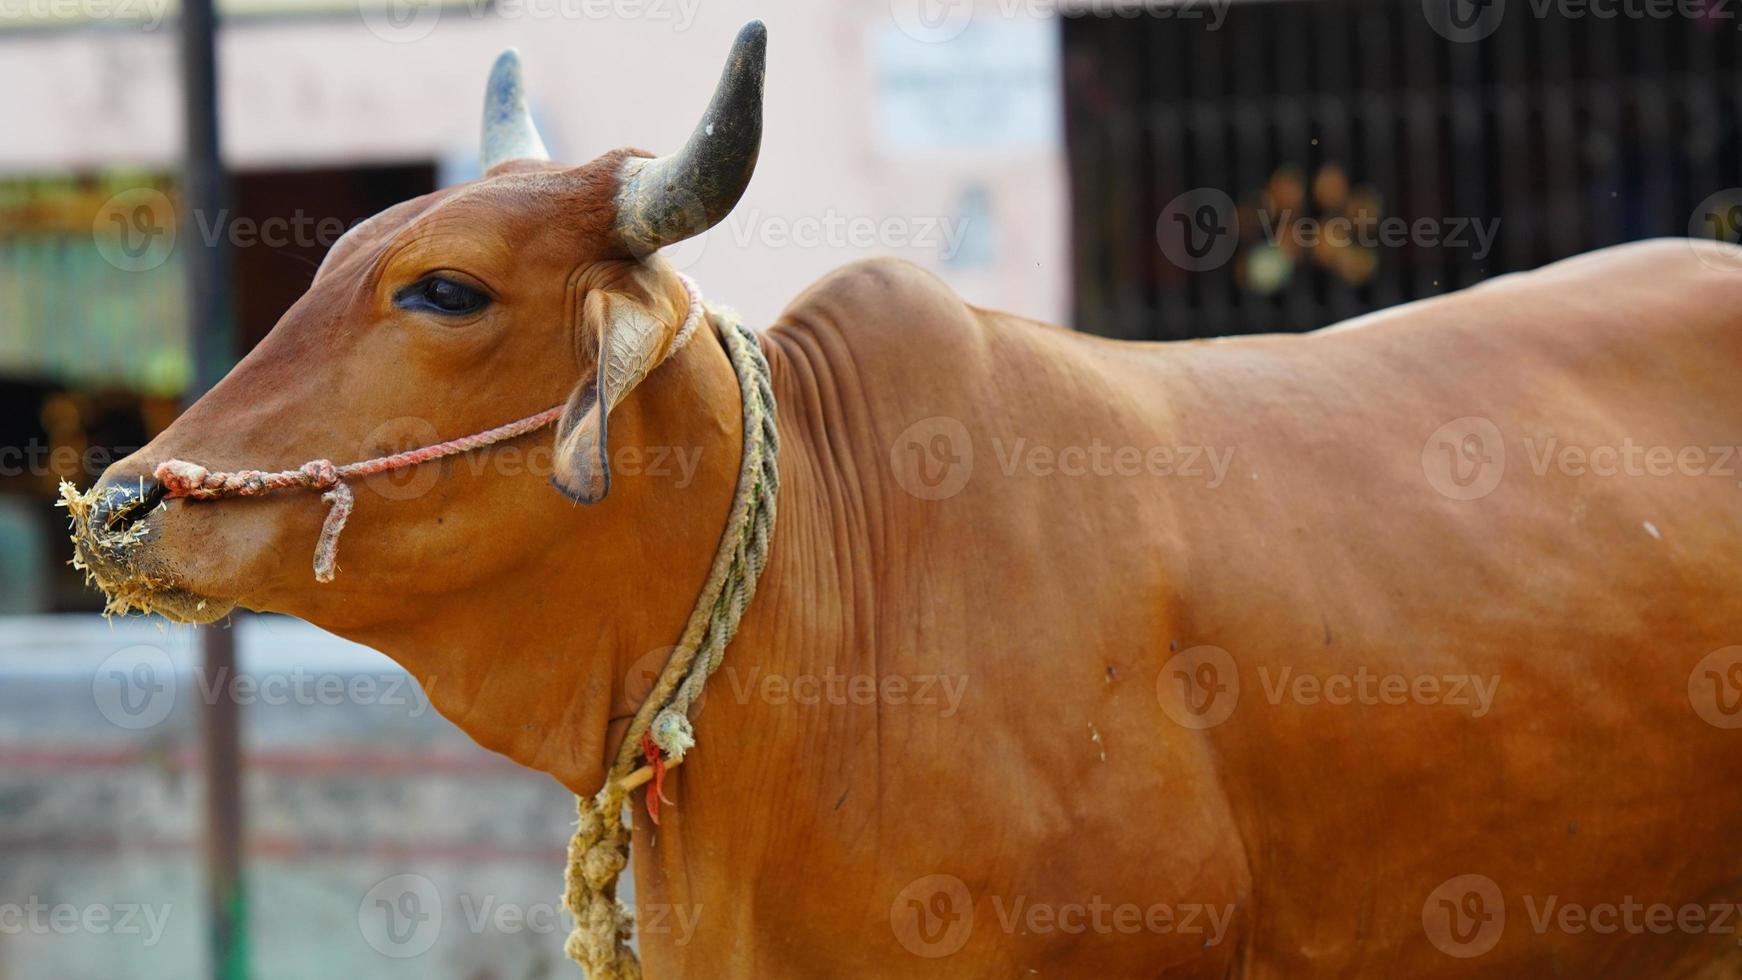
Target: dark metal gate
<point>1362,152</point>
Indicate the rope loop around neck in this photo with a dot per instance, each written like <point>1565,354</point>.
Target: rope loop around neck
<point>599,849</point>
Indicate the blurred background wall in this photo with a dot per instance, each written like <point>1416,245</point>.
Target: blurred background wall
<point>381,841</point>
<point>1177,169</point>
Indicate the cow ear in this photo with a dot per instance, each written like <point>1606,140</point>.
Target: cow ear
<point>630,340</point>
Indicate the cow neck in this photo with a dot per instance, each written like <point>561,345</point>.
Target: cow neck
<point>661,732</point>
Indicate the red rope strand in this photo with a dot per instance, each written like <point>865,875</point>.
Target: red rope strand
<point>655,790</point>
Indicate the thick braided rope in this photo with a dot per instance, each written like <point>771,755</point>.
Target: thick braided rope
<point>184,479</point>
<point>599,850</point>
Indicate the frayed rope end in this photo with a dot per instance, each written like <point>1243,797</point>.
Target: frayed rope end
<point>339,501</point>
<point>673,734</point>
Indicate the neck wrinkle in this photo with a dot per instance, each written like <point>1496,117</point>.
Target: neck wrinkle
<point>734,793</point>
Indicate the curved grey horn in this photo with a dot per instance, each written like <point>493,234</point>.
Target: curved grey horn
<point>671,198</point>
<point>508,130</point>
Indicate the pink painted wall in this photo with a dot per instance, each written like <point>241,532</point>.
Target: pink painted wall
<point>854,164</point>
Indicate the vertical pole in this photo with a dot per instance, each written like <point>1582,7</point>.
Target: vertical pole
<point>211,332</point>
<point>205,190</point>
<point>226,897</point>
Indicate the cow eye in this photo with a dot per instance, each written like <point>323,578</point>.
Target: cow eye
<point>439,294</point>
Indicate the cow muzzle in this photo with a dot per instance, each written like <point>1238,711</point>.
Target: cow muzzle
<point>117,528</point>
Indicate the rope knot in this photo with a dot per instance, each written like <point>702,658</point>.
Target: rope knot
<point>672,734</point>
<point>181,478</point>
<point>320,474</point>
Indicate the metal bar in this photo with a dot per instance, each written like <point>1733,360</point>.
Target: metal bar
<point>1557,91</point>
<point>1466,153</point>
<point>226,895</point>
<point>211,312</point>
<point>1335,132</point>
<point>1601,91</point>
<point>1424,97</point>
<point>1515,244</point>
<point>1246,123</point>
<point>1173,314</point>
<point>1652,115</point>
<point>1693,88</point>
<point>1217,307</point>
<point>1380,124</point>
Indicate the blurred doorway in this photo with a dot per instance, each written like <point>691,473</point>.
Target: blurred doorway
<point>93,348</point>
<point>286,220</point>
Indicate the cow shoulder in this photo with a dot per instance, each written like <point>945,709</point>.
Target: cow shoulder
<point>884,316</point>
<point>882,299</point>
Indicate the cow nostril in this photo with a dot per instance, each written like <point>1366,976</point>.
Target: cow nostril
<point>124,504</point>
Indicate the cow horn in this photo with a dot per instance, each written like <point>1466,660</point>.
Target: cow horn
<point>671,198</point>
<point>508,130</point>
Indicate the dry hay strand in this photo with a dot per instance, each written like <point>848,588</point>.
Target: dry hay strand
<point>127,593</point>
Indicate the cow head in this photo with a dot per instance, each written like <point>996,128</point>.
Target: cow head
<point>537,284</point>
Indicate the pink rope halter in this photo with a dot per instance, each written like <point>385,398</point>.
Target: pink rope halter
<point>193,481</point>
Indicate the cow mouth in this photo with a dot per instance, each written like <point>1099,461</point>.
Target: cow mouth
<point>115,558</point>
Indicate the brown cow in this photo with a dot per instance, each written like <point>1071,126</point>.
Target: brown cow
<point>1396,649</point>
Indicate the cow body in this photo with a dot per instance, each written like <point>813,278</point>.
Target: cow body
<point>1398,649</point>
<point>1065,817</point>
<point>1406,648</point>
